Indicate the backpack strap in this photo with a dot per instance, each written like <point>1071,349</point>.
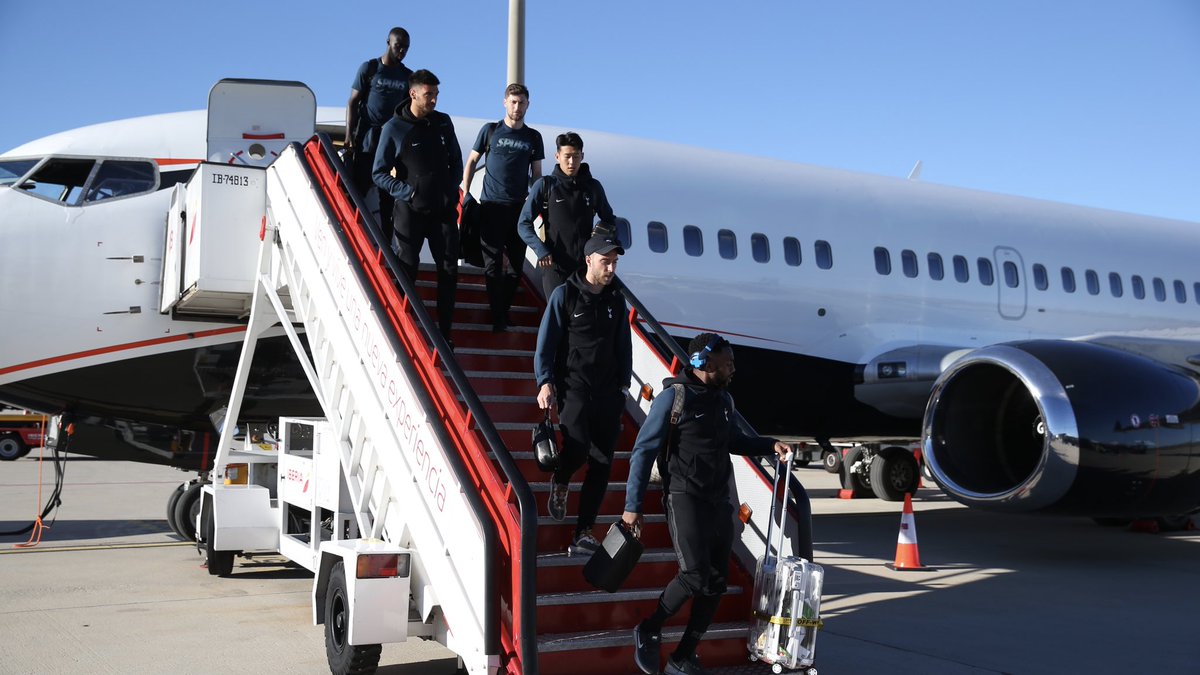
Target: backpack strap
<point>487,144</point>
<point>677,405</point>
<point>363,123</point>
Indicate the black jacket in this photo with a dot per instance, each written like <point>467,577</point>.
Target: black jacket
<point>427,159</point>
<point>583,341</point>
<point>569,206</point>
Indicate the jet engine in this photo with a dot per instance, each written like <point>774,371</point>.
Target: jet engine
<point>1067,427</point>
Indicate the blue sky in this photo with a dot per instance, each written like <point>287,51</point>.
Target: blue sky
<point>1093,102</point>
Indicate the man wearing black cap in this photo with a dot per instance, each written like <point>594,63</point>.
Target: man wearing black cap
<point>583,364</point>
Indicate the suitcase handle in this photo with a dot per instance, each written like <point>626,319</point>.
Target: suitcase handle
<point>781,478</point>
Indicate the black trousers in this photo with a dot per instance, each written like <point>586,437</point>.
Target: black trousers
<point>554,276</point>
<point>412,229</point>
<point>360,169</point>
<point>702,533</point>
<point>498,239</point>
<point>590,425</point>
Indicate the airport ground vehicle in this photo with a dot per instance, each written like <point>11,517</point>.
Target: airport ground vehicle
<point>19,433</point>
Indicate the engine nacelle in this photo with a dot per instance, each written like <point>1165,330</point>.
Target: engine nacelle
<point>1068,427</point>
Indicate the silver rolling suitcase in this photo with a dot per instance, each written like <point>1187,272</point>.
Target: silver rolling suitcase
<point>787,601</point>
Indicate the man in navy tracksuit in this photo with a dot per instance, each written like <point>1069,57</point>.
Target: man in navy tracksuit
<point>419,144</point>
<point>568,200</point>
<point>696,479</point>
<point>583,363</point>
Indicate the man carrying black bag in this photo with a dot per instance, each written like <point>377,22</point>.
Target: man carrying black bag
<point>695,438</point>
<point>583,363</point>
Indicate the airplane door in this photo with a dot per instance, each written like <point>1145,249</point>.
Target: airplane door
<point>1011,282</point>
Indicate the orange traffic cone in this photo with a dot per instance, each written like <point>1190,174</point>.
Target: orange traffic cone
<point>907,557</point>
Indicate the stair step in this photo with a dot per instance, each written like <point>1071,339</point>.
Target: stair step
<point>600,610</point>
<point>610,652</point>
<point>562,573</point>
<point>613,501</point>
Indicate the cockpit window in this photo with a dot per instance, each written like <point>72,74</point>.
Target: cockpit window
<point>11,170</point>
<point>76,180</point>
<point>60,179</point>
<point>120,178</point>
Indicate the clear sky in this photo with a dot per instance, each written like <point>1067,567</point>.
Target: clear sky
<point>1093,102</point>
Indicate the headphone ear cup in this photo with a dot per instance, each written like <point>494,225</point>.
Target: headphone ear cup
<point>698,360</point>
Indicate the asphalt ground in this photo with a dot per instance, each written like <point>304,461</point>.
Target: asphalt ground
<point>111,590</point>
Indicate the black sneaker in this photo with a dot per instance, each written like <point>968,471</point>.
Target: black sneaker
<point>647,649</point>
<point>688,666</point>
<point>584,544</point>
<point>557,504</point>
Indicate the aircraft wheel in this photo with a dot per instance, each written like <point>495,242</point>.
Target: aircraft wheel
<point>859,481</point>
<point>12,447</point>
<point>186,510</point>
<point>172,501</point>
<point>894,473</point>
<point>832,460</point>
<point>220,563</point>
<point>344,658</point>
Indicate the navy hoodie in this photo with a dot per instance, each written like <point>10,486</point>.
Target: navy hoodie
<point>427,159</point>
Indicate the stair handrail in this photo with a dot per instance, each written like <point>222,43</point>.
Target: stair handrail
<point>358,224</point>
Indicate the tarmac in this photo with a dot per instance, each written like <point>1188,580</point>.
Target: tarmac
<point>110,589</point>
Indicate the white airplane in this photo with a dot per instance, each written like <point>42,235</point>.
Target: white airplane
<point>1045,354</point>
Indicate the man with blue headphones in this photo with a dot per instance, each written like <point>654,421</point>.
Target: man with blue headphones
<point>692,440</point>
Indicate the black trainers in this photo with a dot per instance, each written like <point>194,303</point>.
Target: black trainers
<point>557,504</point>
<point>584,544</point>
<point>647,649</point>
<point>689,666</point>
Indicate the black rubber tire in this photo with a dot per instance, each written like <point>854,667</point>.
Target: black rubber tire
<point>832,460</point>
<point>172,501</point>
<point>186,510</point>
<point>894,473</point>
<point>220,563</point>
<point>344,658</point>
<point>12,447</point>
<point>858,482</point>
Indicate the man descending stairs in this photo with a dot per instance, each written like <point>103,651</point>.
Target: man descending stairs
<point>580,629</point>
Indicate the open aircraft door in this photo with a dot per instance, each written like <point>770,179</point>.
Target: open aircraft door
<point>1011,282</point>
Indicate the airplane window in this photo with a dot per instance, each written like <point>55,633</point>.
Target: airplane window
<point>11,170</point>
<point>1114,285</point>
<point>883,260</point>
<point>693,240</point>
<point>1180,292</point>
<point>824,254</point>
<point>1160,290</point>
<point>727,244</point>
<point>1011,278</point>
<point>624,233</point>
<point>1139,288</point>
<point>60,179</point>
<point>791,251</point>
<point>760,248</point>
<point>1040,280</point>
<point>962,273</point>
<point>908,260</point>
<point>1093,282</point>
<point>1196,292</point>
<point>936,272</point>
<point>1068,278</point>
<point>656,236</point>
<point>121,178</point>
<point>986,275</point>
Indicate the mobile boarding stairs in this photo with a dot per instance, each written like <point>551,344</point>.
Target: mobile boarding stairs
<point>415,501</point>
